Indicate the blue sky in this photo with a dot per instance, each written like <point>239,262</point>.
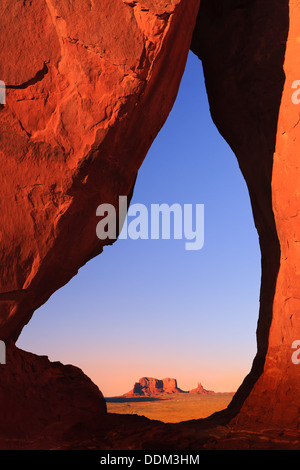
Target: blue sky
<point>150,307</point>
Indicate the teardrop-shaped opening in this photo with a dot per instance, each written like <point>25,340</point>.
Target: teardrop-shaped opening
<point>153,308</point>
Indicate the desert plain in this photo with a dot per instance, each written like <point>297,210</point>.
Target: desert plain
<point>170,408</point>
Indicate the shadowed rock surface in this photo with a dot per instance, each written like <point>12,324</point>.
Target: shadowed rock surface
<point>250,55</point>
<point>43,398</point>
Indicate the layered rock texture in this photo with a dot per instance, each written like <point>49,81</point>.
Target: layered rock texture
<point>151,387</point>
<point>89,85</point>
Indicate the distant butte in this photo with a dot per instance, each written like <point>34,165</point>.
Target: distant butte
<point>199,390</point>
<point>149,386</point>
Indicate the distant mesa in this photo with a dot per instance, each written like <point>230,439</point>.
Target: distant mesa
<point>149,387</point>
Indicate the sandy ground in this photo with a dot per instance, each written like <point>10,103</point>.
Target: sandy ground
<point>170,408</point>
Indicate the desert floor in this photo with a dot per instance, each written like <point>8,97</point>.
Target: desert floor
<point>170,408</point>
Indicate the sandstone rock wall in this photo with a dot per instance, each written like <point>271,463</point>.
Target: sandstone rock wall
<point>250,55</point>
<point>84,103</point>
<point>89,86</point>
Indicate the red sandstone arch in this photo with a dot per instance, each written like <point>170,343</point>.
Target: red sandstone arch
<point>83,106</point>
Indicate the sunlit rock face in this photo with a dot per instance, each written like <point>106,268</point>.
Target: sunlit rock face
<point>250,53</point>
<point>89,85</point>
<point>150,386</point>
